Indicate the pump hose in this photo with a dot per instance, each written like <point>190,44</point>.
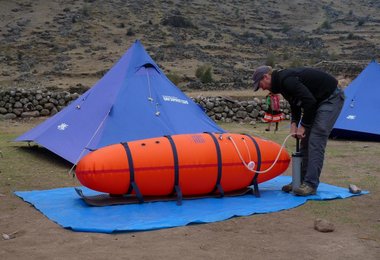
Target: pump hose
<point>251,164</point>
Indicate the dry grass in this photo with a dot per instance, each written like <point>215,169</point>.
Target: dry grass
<point>289,232</point>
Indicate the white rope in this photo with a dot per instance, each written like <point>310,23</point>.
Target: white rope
<point>92,137</point>
<point>246,147</point>
<point>149,90</point>
<point>249,165</point>
<point>150,98</point>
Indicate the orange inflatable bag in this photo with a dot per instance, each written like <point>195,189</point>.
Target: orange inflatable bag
<point>190,164</point>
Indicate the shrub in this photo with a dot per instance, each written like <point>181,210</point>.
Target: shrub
<point>326,25</point>
<point>270,61</point>
<point>177,21</point>
<point>269,36</point>
<point>207,76</point>
<point>130,32</point>
<point>174,77</point>
<point>204,73</point>
<point>361,21</point>
<point>285,28</point>
<point>199,72</point>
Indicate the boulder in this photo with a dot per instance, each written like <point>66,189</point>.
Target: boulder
<point>30,114</point>
<point>323,225</point>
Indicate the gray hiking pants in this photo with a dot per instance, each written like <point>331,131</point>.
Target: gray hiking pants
<point>314,144</point>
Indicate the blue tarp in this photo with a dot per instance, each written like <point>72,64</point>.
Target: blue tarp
<point>64,207</point>
<point>360,116</point>
<point>133,101</point>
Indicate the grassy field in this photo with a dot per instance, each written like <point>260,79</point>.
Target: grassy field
<point>357,219</point>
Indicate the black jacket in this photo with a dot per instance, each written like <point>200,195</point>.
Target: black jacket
<point>304,89</point>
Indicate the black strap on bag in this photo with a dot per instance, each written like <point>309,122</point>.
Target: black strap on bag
<point>254,179</point>
<point>132,186</point>
<point>177,188</point>
<point>218,186</point>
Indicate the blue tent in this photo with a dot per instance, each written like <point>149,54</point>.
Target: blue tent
<point>360,116</point>
<point>134,100</point>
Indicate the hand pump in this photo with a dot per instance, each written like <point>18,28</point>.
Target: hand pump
<point>296,166</point>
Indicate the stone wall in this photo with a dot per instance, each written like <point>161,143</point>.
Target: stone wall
<point>33,103</point>
<point>22,103</point>
<point>228,110</point>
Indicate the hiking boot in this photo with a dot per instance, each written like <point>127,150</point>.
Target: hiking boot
<point>305,190</point>
<point>287,188</point>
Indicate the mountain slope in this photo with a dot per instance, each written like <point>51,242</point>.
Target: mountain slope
<point>64,43</point>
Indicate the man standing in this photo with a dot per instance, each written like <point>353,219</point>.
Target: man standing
<point>315,101</point>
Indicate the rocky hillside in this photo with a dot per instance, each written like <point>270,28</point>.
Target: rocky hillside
<point>67,43</point>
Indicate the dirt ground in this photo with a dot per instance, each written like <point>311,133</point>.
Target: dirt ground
<point>282,235</point>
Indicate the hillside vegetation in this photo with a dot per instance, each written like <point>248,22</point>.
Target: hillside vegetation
<point>67,43</point>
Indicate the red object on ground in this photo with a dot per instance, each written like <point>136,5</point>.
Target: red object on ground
<point>152,162</point>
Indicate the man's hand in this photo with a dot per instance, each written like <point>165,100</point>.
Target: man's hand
<point>297,132</point>
<point>300,132</point>
<point>293,130</point>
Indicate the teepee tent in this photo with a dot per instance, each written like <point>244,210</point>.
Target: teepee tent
<point>360,116</point>
<point>134,100</point>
